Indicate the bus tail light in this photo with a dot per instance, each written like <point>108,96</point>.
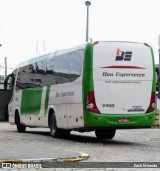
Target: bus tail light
<point>91,104</point>
<point>95,43</point>
<point>152,104</point>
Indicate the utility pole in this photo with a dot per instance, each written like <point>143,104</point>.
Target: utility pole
<point>5,63</point>
<point>37,48</point>
<point>44,46</point>
<point>87,3</point>
<point>159,68</point>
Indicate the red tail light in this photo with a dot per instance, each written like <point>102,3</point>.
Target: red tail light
<point>90,103</point>
<point>95,43</point>
<point>152,104</point>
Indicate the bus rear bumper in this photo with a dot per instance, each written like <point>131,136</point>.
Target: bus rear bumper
<point>119,120</point>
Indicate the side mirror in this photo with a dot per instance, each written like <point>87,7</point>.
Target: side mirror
<point>6,81</point>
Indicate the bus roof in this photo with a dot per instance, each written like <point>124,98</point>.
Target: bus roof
<point>48,55</point>
<point>63,51</point>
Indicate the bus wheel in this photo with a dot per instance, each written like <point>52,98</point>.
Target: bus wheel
<point>53,126</point>
<point>20,128</point>
<point>105,134</point>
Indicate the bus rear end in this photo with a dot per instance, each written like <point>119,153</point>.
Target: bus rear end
<point>120,91</point>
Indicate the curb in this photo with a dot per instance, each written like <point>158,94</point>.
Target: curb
<point>82,156</point>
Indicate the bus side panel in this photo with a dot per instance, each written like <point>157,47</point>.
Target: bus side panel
<point>31,101</point>
<point>66,100</point>
<point>41,119</point>
<point>14,105</point>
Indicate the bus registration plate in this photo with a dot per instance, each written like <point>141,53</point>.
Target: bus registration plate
<point>122,120</point>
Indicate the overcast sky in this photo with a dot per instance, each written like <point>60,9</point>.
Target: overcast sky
<point>62,24</point>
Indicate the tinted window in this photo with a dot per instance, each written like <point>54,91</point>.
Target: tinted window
<point>25,78</point>
<point>41,67</point>
<point>64,73</point>
<point>52,64</point>
<point>52,67</point>
<point>40,71</point>
<point>64,68</point>
<point>64,63</point>
<point>55,70</point>
<point>76,63</point>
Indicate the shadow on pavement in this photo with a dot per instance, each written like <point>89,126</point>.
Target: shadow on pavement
<point>91,139</point>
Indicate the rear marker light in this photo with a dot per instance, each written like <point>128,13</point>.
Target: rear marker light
<point>153,105</point>
<point>89,106</point>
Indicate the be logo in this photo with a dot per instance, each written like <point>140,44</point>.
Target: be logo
<point>121,55</point>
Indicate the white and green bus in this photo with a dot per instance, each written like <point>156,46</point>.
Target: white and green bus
<point>100,86</point>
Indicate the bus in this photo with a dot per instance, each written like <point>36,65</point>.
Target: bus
<point>100,86</point>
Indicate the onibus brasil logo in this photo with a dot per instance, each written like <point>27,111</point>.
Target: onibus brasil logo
<point>123,55</point>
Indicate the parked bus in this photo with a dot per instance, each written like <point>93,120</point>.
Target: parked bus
<point>100,86</point>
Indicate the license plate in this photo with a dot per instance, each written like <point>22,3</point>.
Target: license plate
<point>123,120</point>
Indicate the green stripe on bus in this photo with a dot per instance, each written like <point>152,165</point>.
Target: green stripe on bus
<point>87,80</point>
<point>47,99</point>
<point>154,72</point>
<point>31,101</point>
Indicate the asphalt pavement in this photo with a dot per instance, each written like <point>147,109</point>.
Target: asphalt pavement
<point>13,148</point>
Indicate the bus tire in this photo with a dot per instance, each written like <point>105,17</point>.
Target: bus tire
<point>53,126</point>
<point>20,128</point>
<point>105,134</point>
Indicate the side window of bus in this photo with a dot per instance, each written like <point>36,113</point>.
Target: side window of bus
<point>52,68</point>
<point>64,68</point>
<point>76,63</point>
<point>25,78</point>
<point>40,71</point>
<point>9,81</point>
<point>64,75</point>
